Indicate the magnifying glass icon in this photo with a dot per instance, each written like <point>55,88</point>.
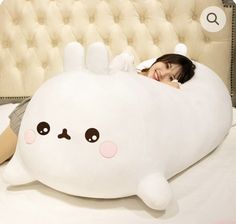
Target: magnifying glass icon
<point>212,18</point>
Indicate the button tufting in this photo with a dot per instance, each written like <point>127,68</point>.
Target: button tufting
<point>142,19</point>
<point>194,16</point>
<point>80,40</point>
<point>156,40</point>
<point>41,20</point>
<point>66,20</point>
<point>181,39</point>
<point>54,42</point>
<point>91,19</point>
<point>44,65</point>
<point>30,43</point>
<point>106,41</point>
<point>16,21</point>
<point>6,44</point>
<point>116,19</point>
<point>20,65</point>
<point>21,21</point>
<point>168,17</point>
<point>206,39</point>
<point>130,41</point>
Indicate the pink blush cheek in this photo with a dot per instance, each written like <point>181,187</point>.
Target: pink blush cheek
<point>29,137</point>
<point>108,149</point>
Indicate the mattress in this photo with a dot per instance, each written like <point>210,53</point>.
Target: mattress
<point>204,193</point>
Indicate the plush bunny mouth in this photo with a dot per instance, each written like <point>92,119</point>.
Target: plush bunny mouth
<point>64,134</point>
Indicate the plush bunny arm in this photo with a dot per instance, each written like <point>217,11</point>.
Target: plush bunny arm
<point>155,191</point>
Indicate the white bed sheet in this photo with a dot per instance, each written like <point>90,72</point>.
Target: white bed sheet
<point>204,194</point>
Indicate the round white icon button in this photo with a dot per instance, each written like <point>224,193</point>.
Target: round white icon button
<point>213,19</point>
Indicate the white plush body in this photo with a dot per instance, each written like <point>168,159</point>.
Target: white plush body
<point>148,132</point>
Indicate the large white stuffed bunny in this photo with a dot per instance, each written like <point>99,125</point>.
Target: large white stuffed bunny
<point>95,131</point>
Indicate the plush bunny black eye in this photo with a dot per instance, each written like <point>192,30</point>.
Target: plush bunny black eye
<point>92,135</point>
<point>43,128</point>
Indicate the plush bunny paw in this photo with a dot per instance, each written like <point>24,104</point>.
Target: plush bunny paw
<point>155,191</point>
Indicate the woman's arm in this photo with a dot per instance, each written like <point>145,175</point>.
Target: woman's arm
<point>8,141</point>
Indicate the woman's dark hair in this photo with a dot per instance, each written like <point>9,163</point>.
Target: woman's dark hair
<point>187,71</point>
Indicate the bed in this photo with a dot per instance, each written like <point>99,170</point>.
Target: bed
<point>37,32</point>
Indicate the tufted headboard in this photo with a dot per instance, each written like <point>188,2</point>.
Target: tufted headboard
<point>33,34</point>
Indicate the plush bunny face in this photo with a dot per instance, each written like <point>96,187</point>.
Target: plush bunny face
<point>87,125</point>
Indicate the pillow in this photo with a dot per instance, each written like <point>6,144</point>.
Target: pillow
<point>105,133</point>
<point>145,64</point>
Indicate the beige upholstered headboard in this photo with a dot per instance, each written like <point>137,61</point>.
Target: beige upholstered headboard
<point>33,34</point>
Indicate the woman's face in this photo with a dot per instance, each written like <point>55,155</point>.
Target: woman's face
<point>162,72</point>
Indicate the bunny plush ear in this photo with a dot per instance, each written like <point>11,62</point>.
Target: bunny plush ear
<point>181,48</point>
<point>97,58</point>
<point>73,57</point>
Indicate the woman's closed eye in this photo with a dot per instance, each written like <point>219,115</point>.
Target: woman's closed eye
<point>168,65</point>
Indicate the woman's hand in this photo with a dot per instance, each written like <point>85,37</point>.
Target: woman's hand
<point>171,83</point>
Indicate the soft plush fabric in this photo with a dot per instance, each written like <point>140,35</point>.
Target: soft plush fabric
<point>95,131</point>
